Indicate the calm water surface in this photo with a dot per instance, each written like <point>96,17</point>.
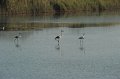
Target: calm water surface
<point>37,55</point>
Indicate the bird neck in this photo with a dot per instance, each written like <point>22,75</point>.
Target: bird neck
<point>19,35</point>
<point>60,36</point>
<point>61,33</point>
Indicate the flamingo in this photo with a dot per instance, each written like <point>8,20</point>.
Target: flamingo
<point>81,38</point>
<point>17,36</point>
<point>59,36</point>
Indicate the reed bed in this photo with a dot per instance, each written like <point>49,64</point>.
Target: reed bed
<point>53,6</point>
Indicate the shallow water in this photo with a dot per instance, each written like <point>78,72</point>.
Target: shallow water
<point>37,55</point>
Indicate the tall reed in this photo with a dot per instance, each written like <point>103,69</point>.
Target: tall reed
<point>42,6</point>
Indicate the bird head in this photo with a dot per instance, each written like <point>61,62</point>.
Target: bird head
<point>62,32</point>
<point>83,34</point>
<point>20,34</point>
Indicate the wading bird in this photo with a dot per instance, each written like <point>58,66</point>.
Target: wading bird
<point>17,36</point>
<point>57,38</point>
<point>81,38</point>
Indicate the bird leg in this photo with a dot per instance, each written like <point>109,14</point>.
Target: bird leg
<point>58,42</point>
<point>81,42</point>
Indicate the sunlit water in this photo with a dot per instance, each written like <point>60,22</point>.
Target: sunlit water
<point>37,55</point>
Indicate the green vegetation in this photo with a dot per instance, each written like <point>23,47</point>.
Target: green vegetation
<point>52,6</point>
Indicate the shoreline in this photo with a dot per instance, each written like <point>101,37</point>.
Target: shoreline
<point>41,26</point>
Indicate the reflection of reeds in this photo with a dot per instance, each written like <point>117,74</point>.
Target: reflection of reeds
<point>40,26</point>
<point>28,26</point>
<point>35,7</point>
<point>91,25</point>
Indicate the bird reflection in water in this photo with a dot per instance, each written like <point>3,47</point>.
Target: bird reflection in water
<point>58,48</point>
<point>82,48</point>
